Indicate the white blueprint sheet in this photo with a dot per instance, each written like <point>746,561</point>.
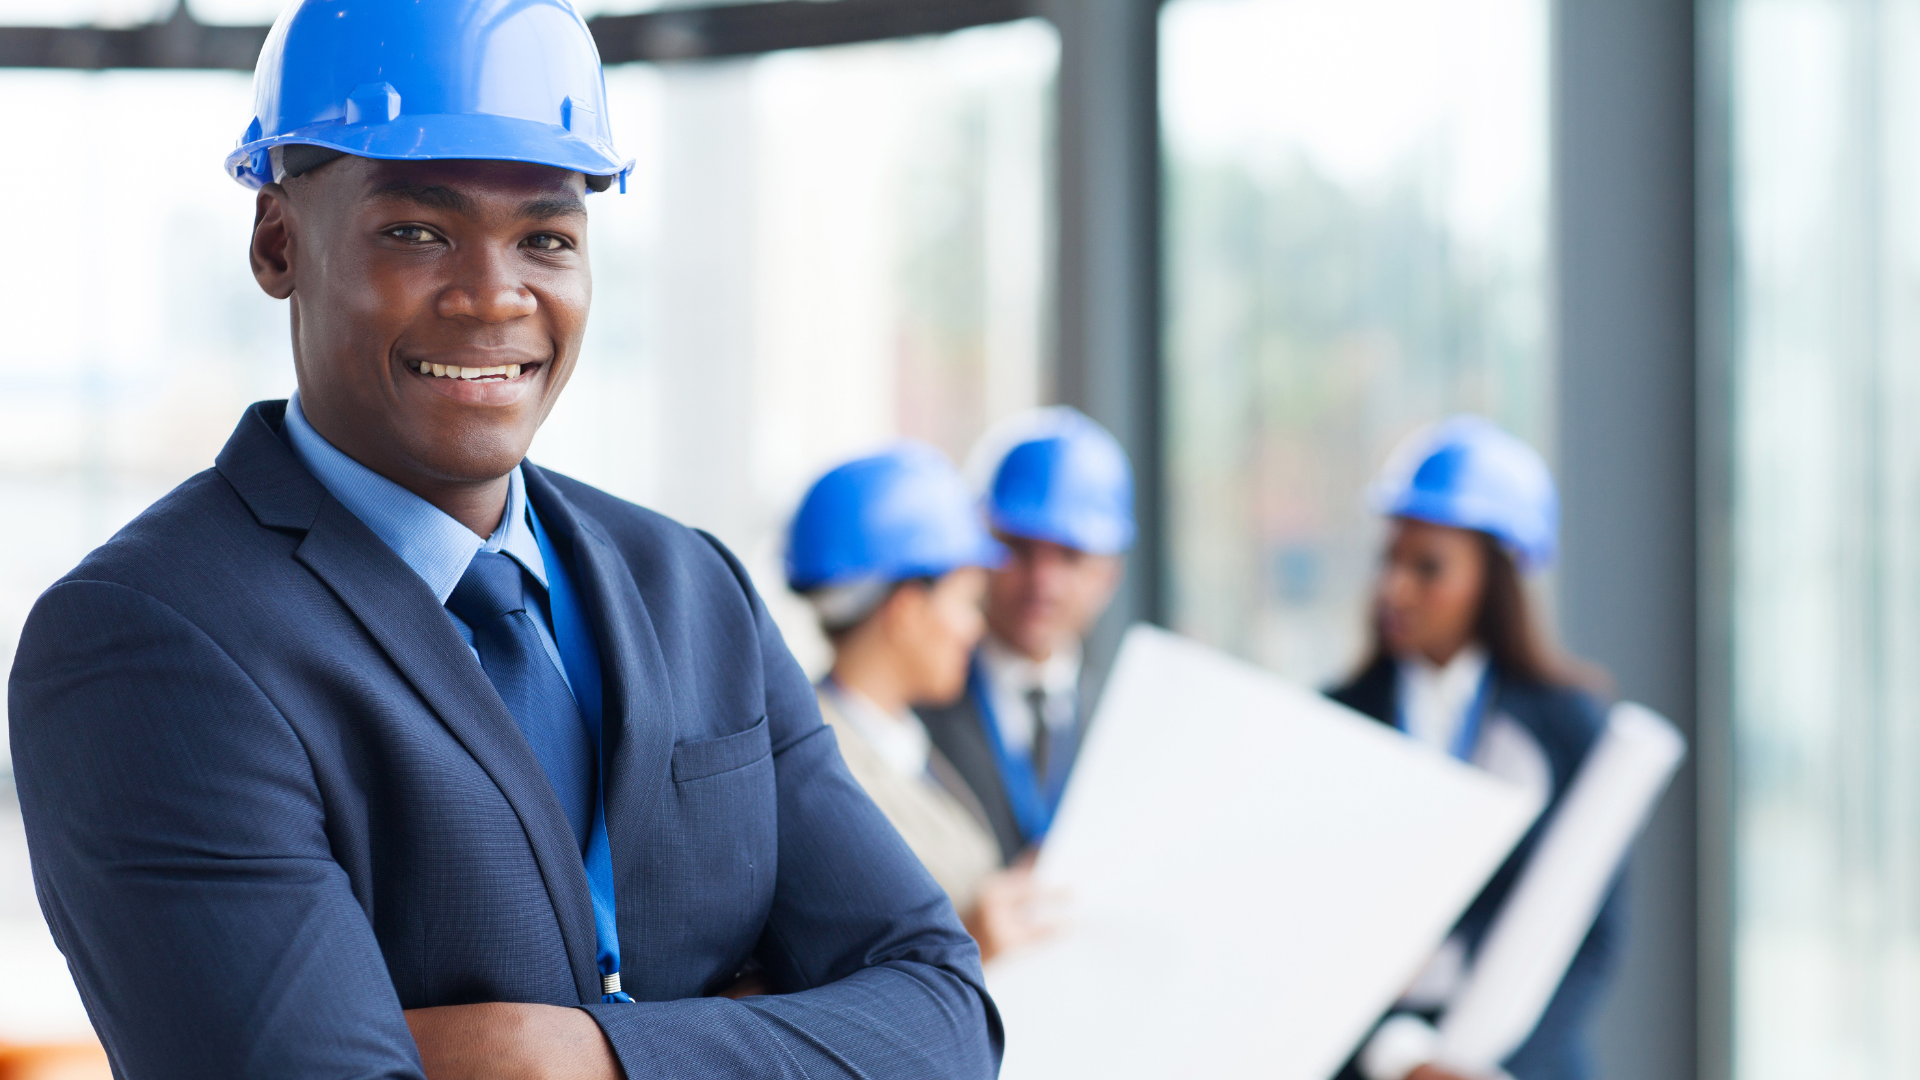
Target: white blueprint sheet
<point>1256,874</point>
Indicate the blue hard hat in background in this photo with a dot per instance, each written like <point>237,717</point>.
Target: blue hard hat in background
<point>1061,478</point>
<point>1468,473</point>
<point>900,514</point>
<point>502,80</point>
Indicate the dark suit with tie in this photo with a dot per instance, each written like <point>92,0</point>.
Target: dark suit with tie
<point>958,730</point>
<point>273,800</point>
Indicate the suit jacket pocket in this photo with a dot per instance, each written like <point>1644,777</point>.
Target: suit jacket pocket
<point>698,760</point>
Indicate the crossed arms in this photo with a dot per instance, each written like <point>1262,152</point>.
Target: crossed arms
<point>182,856</point>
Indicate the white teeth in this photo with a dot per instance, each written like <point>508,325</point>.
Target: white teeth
<point>449,371</point>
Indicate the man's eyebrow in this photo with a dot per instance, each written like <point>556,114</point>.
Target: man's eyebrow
<point>430,195</point>
<point>553,206</point>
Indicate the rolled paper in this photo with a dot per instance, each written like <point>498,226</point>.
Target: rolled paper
<point>1553,905</point>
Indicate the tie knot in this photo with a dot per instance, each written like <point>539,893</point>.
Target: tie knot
<point>490,588</point>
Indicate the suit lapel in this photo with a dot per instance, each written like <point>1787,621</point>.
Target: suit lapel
<point>637,696</point>
<point>959,731</point>
<point>411,627</point>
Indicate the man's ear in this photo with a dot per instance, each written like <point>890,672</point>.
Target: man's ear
<point>271,251</point>
<point>1113,570</point>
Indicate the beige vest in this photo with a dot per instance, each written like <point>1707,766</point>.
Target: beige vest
<point>952,840</point>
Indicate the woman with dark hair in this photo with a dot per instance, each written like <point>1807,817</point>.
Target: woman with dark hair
<point>892,553</point>
<point>1459,661</point>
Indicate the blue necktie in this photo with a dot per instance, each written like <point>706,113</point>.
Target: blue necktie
<point>492,600</point>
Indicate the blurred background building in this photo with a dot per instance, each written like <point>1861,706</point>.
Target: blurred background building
<point>1673,243</point>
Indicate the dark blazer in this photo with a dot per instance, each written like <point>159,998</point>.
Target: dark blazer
<point>958,733</point>
<point>272,801</point>
<point>1565,723</point>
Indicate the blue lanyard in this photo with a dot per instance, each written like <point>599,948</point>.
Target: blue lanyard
<point>1467,736</point>
<point>581,657</point>
<point>1031,809</point>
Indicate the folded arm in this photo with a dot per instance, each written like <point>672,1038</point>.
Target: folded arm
<point>874,973</point>
<point>180,855</point>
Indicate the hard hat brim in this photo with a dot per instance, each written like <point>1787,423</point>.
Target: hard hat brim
<point>985,552</point>
<point>1106,536</point>
<point>445,137</point>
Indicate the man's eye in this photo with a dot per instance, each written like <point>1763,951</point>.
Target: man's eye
<point>546,242</point>
<point>412,234</point>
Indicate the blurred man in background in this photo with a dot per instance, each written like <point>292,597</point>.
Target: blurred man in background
<point>1059,495</point>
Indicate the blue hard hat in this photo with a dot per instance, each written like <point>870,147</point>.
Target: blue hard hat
<point>1468,473</point>
<point>900,514</point>
<point>501,80</point>
<point>1063,478</point>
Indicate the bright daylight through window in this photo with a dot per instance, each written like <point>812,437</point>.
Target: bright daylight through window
<point>1357,244</point>
<point>1826,539</point>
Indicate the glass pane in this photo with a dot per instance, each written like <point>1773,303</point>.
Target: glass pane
<point>822,250</point>
<point>243,12</point>
<point>134,337</point>
<point>262,12</point>
<point>1356,228</point>
<point>83,12</point>
<point>819,251</point>
<point>591,8</point>
<point>1826,534</point>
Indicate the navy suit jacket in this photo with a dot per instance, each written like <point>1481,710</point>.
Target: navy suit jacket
<point>1565,723</point>
<point>272,801</point>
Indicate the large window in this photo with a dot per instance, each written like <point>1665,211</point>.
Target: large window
<point>1826,537</point>
<point>820,250</point>
<point>1356,244</point>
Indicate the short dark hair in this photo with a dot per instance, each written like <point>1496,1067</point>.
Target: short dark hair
<point>298,159</point>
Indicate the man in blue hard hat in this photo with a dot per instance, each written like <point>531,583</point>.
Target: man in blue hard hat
<point>1059,495</point>
<point>376,750</point>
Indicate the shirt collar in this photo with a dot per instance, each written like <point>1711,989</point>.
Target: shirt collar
<point>1434,699</point>
<point>426,538</point>
<point>901,741</point>
<point>1017,674</point>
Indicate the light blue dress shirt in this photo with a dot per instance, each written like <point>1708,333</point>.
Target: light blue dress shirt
<point>426,538</point>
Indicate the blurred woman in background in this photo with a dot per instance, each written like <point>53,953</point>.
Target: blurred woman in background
<point>1460,662</point>
<point>891,552</point>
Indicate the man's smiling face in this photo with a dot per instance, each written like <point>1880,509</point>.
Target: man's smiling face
<point>437,307</point>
